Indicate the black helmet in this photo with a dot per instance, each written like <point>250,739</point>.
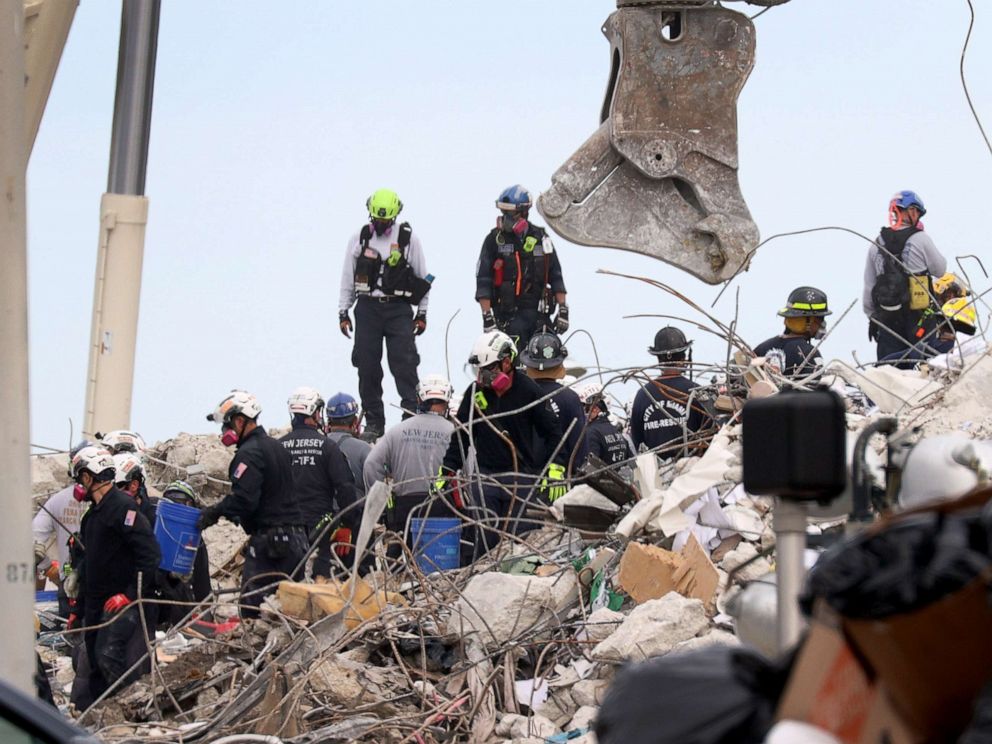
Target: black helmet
<point>669,342</point>
<point>805,302</point>
<point>544,351</point>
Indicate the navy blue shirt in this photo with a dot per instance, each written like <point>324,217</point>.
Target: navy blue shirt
<point>568,408</point>
<point>661,409</point>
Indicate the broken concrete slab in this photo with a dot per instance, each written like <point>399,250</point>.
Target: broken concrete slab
<point>588,692</point>
<point>516,726</point>
<point>584,717</point>
<point>740,555</point>
<point>600,625</point>
<point>713,638</point>
<point>653,629</point>
<point>501,606</point>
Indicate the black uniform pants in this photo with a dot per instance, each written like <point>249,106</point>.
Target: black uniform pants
<point>393,322</point>
<point>270,556</point>
<point>895,332</point>
<point>522,324</point>
<point>503,501</point>
<point>109,652</point>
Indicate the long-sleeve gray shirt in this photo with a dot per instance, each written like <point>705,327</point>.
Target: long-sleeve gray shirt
<point>355,451</point>
<point>384,244</point>
<point>410,453</point>
<point>920,255</point>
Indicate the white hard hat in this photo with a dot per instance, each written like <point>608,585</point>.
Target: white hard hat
<point>95,460</point>
<point>944,468</point>
<point>434,387</point>
<point>237,401</point>
<point>490,347</point>
<point>305,400</point>
<point>123,440</point>
<point>127,467</point>
<point>589,392</point>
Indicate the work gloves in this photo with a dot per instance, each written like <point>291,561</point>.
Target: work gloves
<point>561,320</point>
<point>420,323</point>
<point>344,323</point>
<point>488,320</point>
<point>872,330</point>
<point>115,604</point>
<point>342,541</point>
<point>209,516</point>
<point>553,484</point>
<point>446,483</point>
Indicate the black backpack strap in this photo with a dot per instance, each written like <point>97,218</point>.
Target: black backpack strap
<point>404,237</point>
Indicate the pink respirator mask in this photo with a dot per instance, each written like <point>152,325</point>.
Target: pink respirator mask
<point>512,223</point>
<point>229,437</point>
<point>495,379</point>
<point>79,492</point>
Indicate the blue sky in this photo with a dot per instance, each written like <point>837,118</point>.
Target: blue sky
<point>272,124</point>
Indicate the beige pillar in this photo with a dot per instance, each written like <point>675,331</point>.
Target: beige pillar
<point>16,556</point>
<point>115,312</point>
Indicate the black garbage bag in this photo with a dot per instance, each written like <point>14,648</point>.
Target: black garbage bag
<point>909,565</point>
<point>711,696</point>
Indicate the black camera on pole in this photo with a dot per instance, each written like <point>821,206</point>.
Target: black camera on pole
<point>795,445</point>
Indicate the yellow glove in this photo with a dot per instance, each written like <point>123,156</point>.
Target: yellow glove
<point>553,485</point>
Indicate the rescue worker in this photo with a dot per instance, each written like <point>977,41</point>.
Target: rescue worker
<point>509,435</point>
<point>666,417</point>
<point>544,360</point>
<point>518,279</point>
<point>410,454</point>
<point>322,480</point>
<point>897,285</point>
<point>384,268</point>
<point>118,565</point>
<point>344,430</point>
<point>123,440</point>
<point>957,315</point>
<point>184,589</point>
<point>55,524</point>
<point>130,478</point>
<point>603,440</point>
<point>804,314</point>
<point>261,500</point>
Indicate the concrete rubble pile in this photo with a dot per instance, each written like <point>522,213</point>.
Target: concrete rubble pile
<point>520,646</point>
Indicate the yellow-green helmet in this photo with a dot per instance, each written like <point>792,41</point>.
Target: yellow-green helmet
<point>384,205</point>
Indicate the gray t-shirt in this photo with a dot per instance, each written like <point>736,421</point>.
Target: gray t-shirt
<point>355,451</point>
<point>920,255</point>
<point>410,453</point>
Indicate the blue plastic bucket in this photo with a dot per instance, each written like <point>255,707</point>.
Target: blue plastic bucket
<point>436,543</point>
<point>175,530</point>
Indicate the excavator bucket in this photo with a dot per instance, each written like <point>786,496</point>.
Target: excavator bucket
<point>659,176</point>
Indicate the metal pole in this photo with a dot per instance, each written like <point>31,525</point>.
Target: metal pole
<point>789,523</point>
<point>133,99</point>
<point>123,216</point>
<point>16,565</point>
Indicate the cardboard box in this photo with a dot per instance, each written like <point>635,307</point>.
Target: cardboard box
<point>933,661</point>
<point>648,572</point>
<point>830,689</point>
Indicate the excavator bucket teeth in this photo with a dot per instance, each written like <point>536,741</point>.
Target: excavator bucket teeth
<point>659,176</point>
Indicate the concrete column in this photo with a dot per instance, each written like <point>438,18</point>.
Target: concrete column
<point>16,556</point>
<point>114,329</point>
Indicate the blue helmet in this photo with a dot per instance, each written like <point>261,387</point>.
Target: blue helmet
<point>341,406</point>
<point>906,199</point>
<point>514,198</point>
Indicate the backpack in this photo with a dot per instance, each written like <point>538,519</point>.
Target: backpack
<point>891,290</point>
